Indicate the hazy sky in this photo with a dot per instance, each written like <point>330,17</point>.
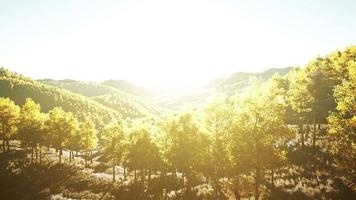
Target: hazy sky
<point>162,42</point>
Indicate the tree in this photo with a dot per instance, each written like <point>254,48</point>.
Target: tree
<point>342,123</point>
<point>31,125</point>
<point>114,143</point>
<point>87,133</point>
<point>9,113</point>
<point>218,118</point>
<point>301,100</point>
<point>143,153</point>
<point>60,126</point>
<point>259,130</point>
<point>187,151</point>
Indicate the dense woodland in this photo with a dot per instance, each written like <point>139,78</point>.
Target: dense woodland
<point>289,137</point>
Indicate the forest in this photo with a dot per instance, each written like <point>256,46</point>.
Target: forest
<point>284,136</point>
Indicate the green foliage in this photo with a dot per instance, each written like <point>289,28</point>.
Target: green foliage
<point>127,105</point>
<point>142,153</point>
<point>31,123</point>
<point>60,126</point>
<point>9,114</point>
<point>114,140</point>
<point>235,142</point>
<point>19,88</point>
<point>342,123</point>
<point>88,133</point>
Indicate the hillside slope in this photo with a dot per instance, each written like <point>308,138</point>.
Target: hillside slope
<point>240,80</point>
<point>228,86</point>
<point>127,104</point>
<point>18,88</point>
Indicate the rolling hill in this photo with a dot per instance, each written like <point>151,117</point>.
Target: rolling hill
<point>175,99</point>
<point>118,97</point>
<point>19,87</point>
<point>127,104</point>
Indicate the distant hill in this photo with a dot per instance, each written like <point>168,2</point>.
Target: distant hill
<point>240,80</point>
<point>111,97</point>
<point>229,86</point>
<point>131,88</point>
<point>18,88</point>
<point>118,97</point>
<point>115,93</point>
<point>88,89</point>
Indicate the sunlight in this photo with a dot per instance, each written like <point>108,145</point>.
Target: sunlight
<point>156,43</point>
<point>177,100</point>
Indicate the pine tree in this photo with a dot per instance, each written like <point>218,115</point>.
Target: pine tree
<point>30,126</point>
<point>9,113</point>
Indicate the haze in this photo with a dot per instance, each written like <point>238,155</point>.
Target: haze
<point>167,43</point>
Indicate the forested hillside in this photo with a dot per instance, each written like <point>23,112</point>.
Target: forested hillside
<point>289,137</point>
<point>18,87</point>
<point>122,102</point>
<point>175,99</point>
<point>101,107</point>
<point>240,81</point>
<point>131,88</point>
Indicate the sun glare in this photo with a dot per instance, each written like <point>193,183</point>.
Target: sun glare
<point>156,43</point>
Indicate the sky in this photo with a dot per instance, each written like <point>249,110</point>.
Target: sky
<point>165,43</point>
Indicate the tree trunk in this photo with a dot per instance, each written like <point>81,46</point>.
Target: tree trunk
<point>124,173</point>
<point>3,145</point>
<point>307,131</point>
<point>149,177</point>
<point>183,176</point>
<point>301,129</point>
<point>31,161</point>
<point>314,132</point>
<point>86,158</point>
<point>60,154</point>
<point>3,138</point>
<point>165,192</point>
<point>135,176</point>
<point>70,156</point>
<point>40,153</point>
<point>272,178</point>
<point>8,144</point>
<point>36,149</point>
<point>257,184</point>
<point>113,170</point>
<point>91,157</point>
<point>237,188</point>
<point>143,176</point>
<point>215,187</point>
